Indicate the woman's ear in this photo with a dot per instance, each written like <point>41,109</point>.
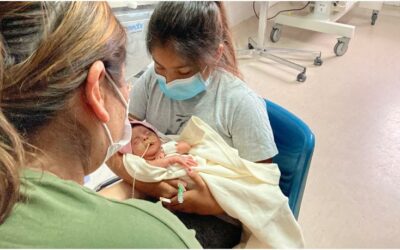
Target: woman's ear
<point>94,93</point>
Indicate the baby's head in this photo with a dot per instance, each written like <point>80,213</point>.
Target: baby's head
<point>145,141</point>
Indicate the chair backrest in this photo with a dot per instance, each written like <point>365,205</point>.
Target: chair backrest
<point>295,142</point>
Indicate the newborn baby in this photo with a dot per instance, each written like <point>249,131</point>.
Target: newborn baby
<point>147,144</point>
<point>246,191</point>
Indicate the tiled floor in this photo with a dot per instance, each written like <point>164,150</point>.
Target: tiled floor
<point>352,103</point>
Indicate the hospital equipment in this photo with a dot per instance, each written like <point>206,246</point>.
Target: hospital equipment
<point>166,200</point>
<point>323,18</point>
<point>257,48</point>
<point>135,16</point>
<point>181,190</point>
<point>295,142</point>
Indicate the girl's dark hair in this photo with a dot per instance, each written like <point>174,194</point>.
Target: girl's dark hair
<point>194,30</point>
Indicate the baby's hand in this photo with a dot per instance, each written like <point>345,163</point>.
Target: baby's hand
<point>183,147</point>
<point>182,160</point>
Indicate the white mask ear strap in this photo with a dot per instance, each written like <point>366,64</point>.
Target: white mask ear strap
<point>205,68</point>
<point>108,133</point>
<point>202,72</point>
<point>116,90</point>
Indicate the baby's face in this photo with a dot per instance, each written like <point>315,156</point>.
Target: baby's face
<point>145,142</point>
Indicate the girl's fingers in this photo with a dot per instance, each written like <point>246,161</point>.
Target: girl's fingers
<point>175,182</point>
<point>196,178</point>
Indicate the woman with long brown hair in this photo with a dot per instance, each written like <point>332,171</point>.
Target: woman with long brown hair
<point>63,112</point>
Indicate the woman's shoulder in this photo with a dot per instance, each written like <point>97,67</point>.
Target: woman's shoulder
<point>88,219</point>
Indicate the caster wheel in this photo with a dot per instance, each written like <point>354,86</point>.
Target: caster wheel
<point>340,48</point>
<point>249,46</point>
<point>301,77</point>
<point>318,61</point>
<point>275,34</point>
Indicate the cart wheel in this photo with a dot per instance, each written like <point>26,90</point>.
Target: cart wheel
<point>340,48</point>
<point>275,34</point>
<point>318,61</point>
<point>249,46</point>
<point>374,17</point>
<point>301,77</point>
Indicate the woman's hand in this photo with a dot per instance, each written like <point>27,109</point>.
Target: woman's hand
<point>116,164</point>
<point>198,200</point>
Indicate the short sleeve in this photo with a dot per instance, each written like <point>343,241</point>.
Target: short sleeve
<point>139,96</point>
<point>251,131</point>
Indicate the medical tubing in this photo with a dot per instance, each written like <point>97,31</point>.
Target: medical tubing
<point>279,12</point>
<point>134,172</point>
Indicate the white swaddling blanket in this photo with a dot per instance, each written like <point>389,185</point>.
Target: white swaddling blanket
<point>245,190</point>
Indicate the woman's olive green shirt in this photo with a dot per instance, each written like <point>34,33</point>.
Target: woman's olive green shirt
<point>63,214</point>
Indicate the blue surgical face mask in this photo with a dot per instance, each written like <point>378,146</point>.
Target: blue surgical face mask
<point>183,89</point>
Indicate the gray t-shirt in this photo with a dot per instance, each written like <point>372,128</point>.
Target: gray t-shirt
<point>228,106</point>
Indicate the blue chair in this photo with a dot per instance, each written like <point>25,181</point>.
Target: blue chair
<point>295,142</point>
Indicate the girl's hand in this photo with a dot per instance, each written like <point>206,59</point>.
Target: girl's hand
<point>198,200</point>
<point>167,189</point>
<point>157,189</point>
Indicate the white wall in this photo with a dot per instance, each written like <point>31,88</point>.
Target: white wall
<point>395,3</point>
<point>239,11</point>
<point>130,3</point>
